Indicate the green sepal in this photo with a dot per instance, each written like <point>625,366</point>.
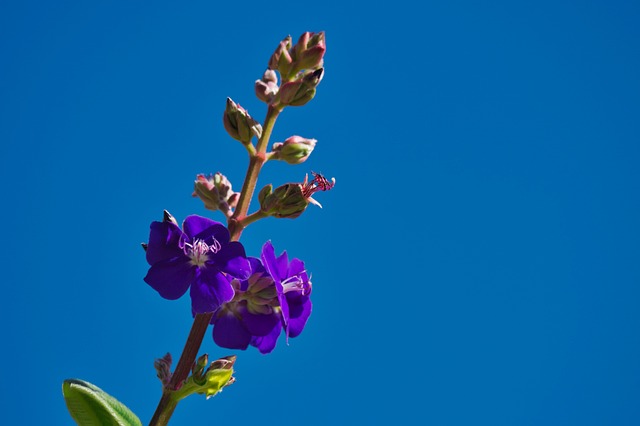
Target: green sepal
<point>91,406</point>
<point>264,192</point>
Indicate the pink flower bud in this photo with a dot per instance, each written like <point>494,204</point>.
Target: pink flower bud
<point>294,150</point>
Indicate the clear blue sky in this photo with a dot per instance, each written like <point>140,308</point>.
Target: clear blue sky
<point>477,262</point>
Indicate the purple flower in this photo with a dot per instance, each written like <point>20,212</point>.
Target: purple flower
<point>275,296</point>
<point>200,255</point>
<point>252,317</point>
<point>293,288</point>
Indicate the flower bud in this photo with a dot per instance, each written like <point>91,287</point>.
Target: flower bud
<point>239,124</point>
<point>216,192</point>
<point>294,150</point>
<point>210,381</point>
<point>281,58</point>
<point>309,51</point>
<point>197,371</point>
<point>301,90</point>
<point>267,87</point>
<point>218,375</point>
<point>287,201</point>
<point>163,368</point>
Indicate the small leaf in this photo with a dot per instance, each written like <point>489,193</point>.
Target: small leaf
<point>91,406</point>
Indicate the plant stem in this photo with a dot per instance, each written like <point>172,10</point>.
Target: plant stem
<point>253,217</point>
<point>236,224</point>
<point>167,404</point>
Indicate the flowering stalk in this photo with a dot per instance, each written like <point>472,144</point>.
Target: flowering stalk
<point>236,224</point>
<point>300,69</point>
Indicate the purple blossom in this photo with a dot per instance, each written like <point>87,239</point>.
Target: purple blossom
<point>275,296</point>
<point>252,317</point>
<point>293,288</point>
<point>199,256</point>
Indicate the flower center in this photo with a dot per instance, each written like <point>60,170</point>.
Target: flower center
<point>294,283</point>
<point>199,249</point>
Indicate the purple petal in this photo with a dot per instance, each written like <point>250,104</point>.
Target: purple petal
<point>228,332</point>
<point>284,305</point>
<point>259,324</point>
<point>282,263</point>
<point>298,316</point>
<point>164,238</point>
<point>256,265</point>
<point>268,256</point>
<point>271,263</point>
<point>265,344</point>
<point>232,259</point>
<point>171,278</point>
<point>209,290</point>
<point>202,228</point>
<point>295,268</point>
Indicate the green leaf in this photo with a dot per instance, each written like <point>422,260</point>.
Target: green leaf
<point>91,406</point>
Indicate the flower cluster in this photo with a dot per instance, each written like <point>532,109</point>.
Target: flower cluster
<point>253,299</point>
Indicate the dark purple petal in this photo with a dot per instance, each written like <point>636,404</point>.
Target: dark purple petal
<point>171,278</point>
<point>268,256</point>
<point>258,324</point>
<point>298,316</point>
<point>232,259</point>
<point>228,332</point>
<point>209,290</point>
<point>164,238</point>
<point>256,266</point>
<point>202,228</point>
<point>265,344</point>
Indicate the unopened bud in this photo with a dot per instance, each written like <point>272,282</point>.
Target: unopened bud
<point>210,381</point>
<point>281,58</point>
<point>267,87</point>
<point>301,90</point>
<point>294,150</point>
<point>239,124</point>
<point>163,368</point>
<point>216,192</point>
<point>198,369</point>
<point>309,51</point>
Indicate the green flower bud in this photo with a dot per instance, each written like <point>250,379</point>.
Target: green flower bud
<point>197,371</point>
<point>239,124</point>
<point>294,150</point>
<point>281,59</point>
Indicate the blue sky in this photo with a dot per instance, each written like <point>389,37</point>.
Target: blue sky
<point>477,262</point>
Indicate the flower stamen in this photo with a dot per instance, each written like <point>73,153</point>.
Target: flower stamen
<point>198,250</point>
<point>294,283</point>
